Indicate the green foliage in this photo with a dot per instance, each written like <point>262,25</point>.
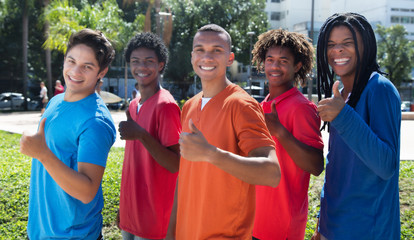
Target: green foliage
<point>395,53</point>
<point>106,16</point>
<point>236,16</point>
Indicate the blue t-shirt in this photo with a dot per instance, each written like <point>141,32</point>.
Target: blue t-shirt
<point>81,131</point>
<point>360,197</point>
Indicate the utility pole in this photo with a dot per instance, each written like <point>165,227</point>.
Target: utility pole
<point>249,81</point>
<point>310,80</point>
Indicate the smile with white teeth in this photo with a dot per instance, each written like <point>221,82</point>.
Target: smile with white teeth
<point>143,75</point>
<point>207,68</point>
<point>74,80</point>
<point>341,61</point>
<point>275,74</point>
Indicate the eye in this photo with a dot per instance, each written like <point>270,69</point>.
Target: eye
<point>348,44</point>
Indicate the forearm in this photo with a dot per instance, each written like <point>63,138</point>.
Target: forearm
<point>76,184</point>
<point>308,158</point>
<point>166,157</point>
<point>379,154</point>
<point>258,170</point>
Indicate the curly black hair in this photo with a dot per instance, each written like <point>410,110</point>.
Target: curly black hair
<point>298,44</point>
<point>150,41</point>
<point>104,52</point>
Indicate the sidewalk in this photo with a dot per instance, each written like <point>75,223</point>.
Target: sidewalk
<point>18,122</point>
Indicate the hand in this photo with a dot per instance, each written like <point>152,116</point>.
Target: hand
<point>129,129</point>
<point>329,108</point>
<point>272,121</point>
<point>35,145</point>
<point>194,146</point>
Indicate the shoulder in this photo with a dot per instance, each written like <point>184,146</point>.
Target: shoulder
<point>236,96</point>
<point>382,87</point>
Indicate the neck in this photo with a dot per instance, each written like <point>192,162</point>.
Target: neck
<point>211,88</point>
<point>73,97</point>
<point>279,90</point>
<point>148,91</point>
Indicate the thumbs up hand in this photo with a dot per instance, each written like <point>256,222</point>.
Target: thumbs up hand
<point>35,145</point>
<point>194,146</point>
<point>329,108</point>
<point>129,129</point>
<point>272,121</point>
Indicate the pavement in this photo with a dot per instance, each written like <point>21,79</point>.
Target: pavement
<point>19,122</point>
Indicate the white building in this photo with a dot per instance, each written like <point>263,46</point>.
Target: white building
<point>295,15</point>
<point>384,12</point>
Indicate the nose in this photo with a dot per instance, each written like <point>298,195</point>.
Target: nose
<point>338,47</point>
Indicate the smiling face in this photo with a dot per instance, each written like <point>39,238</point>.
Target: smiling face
<point>211,55</point>
<point>145,66</point>
<point>341,52</point>
<point>81,72</point>
<point>280,69</point>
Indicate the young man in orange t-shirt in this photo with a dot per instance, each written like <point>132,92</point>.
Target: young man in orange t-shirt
<point>225,146</point>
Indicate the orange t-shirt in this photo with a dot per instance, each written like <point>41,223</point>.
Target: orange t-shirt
<point>213,204</point>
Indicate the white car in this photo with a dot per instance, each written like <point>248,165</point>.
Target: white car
<point>405,106</point>
<point>11,101</point>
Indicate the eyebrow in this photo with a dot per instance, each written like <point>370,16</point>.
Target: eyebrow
<point>143,58</point>
<point>87,63</point>
<point>201,45</point>
<point>346,39</point>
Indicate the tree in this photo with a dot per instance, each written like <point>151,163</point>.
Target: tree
<point>395,53</point>
<point>236,16</point>
<point>105,16</point>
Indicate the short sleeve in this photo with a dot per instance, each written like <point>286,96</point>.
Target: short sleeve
<point>95,141</point>
<point>169,124</point>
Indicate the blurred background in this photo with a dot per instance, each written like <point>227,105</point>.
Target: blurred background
<point>34,34</point>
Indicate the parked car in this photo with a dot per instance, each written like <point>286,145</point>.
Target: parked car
<point>11,101</point>
<point>259,98</point>
<point>121,105</point>
<point>405,106</point>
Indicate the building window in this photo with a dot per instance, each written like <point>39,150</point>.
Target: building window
<point>395,19</point>
<point>275,16</point>
<point>405,19</point>
<point>275,1</point>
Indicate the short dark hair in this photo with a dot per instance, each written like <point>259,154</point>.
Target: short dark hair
<point>104,52</point>
<point>150,41</point>
<point>215,28</point>
<point>367,63</point>
<point>297,43</point>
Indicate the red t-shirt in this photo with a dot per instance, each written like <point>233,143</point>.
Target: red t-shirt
<point>281,212</point>
<point>213,204</point>
<point>147,188</point>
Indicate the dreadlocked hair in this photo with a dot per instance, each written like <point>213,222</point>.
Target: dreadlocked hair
<point>366,63</point>
<point>298,44</point>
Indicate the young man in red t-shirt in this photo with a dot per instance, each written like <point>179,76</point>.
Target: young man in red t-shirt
<point>286,58</point>
<point>152,152</point>
<point>225,146</point>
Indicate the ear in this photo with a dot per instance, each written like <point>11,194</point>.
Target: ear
<point>298,66</point>
<point>102,73</point>
<point>231,59</point>
<point>161,66</point>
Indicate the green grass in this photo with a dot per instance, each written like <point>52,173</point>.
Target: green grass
<point>14,192</point>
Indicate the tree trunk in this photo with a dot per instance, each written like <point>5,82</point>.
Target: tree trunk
<point>25,33</point>
<point>48,57</point>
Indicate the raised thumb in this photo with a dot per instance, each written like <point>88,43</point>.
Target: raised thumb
<point>335,90</point>
<point>192,127</point>
<point>128,115</point>
<point>42,126</point>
